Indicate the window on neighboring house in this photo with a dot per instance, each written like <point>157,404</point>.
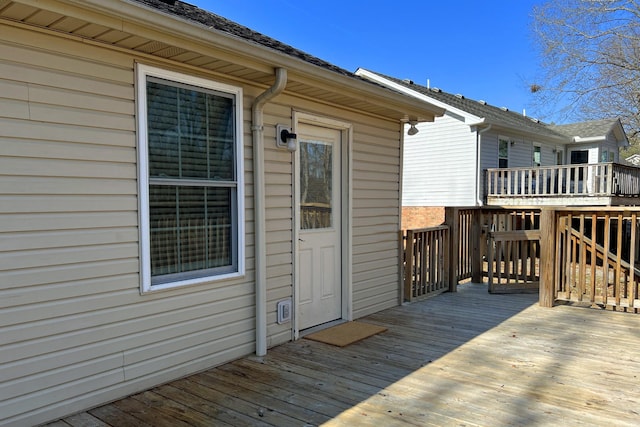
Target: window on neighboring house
<point>604,156</point>
<point>537,154</point>
<point>503,152</point>
<point>579,157</point>
<point>612,156</point>
<point>191,179</point>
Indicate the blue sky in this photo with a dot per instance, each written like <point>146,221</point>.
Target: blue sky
<point>481,49</point>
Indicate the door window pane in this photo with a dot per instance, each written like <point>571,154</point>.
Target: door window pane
<point>316,192</point>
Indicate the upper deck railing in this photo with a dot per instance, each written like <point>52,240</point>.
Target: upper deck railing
<point>603,180</point>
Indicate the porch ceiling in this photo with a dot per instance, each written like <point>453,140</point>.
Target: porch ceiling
<point>160,36</point>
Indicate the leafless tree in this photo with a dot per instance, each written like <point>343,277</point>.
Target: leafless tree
<point>590,53</point>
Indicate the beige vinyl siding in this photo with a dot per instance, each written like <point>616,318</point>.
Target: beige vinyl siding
<point>74,329</point>
<point>442,173</point>
<point>376,200</point>
<point>278,220</point>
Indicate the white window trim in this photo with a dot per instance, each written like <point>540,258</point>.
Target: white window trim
<point>142,71</point>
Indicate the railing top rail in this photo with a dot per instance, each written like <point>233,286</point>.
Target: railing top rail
<point>421,230</point>
<point>578,165</point>
<point>600,210</point>
<point>515,235</point>
<point>626,166</point>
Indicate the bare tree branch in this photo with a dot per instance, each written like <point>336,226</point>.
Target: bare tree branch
<point>590,57</point>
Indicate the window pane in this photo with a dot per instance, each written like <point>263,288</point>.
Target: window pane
<point>316,177</point>
<point>191,228</point>
<point>503,150</point>
<point>191,133</point>
<point>162,121</point>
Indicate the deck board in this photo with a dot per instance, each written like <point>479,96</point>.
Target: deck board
<point>467,358</point>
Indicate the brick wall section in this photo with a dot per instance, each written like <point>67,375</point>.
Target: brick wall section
<point>422,216</point>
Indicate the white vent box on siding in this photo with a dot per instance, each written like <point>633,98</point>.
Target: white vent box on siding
<point>284,311</point>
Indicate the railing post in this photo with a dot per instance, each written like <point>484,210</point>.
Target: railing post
<point>476,246</point>
<point>408,266</point>
<point>452,220</point>
<point>547,257</point>
<point>610,183</point>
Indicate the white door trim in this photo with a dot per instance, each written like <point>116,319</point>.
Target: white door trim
<point>346,130</point>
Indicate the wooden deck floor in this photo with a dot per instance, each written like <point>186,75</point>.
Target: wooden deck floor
<point>463,359</point>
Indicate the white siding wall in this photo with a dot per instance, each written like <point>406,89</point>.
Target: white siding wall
<point>489,149</point>
<point>520,152</point>
<point>439,165</point>
<point>547,154</point>
<point>611,146</point>
<point>593,149</point>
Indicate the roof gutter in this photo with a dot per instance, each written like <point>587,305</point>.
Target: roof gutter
<point>257,128</point>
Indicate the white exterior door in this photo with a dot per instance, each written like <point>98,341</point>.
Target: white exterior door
<point>319,212</point>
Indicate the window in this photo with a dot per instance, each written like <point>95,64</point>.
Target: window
<point>604,156</point>
<point>579,157</point>
<point>503,152</point>
<point>191,189</point>
<point>537,154</point>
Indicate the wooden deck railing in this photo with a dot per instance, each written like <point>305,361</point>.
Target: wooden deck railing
<point>425,262</point>
<point>513,261</point>
<point>599,179</point>
<point>464,250</point>
<point>513,250</point>
<point>588,255</point>
<point>597,257</point>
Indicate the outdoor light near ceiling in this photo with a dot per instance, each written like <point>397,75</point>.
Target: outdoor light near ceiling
<point>413,129</point>
<point>285,138</point>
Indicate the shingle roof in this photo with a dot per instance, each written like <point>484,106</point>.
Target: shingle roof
<point>210,20</point>
<point>498,116</point>
<point>592,128</point>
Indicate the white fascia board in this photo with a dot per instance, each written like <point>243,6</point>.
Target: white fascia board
<point>621,135</point>
<point>469,118</point>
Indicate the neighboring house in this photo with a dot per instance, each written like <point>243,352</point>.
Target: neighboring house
<point>153,222</point>
<point>634,159</point>
<point>446,161</point>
